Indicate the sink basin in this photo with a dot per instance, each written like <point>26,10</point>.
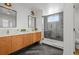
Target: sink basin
<point>8,32</point>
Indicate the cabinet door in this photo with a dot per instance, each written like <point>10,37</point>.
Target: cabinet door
<point>27,39</point>
<point>17,42</point>
<point>5,45</point>
<point>36,37</point>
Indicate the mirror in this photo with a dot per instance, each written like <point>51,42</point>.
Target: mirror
<point>7,18</point>
<point>32,22</point>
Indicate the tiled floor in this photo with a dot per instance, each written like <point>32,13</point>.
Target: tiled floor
<point>39,49</point>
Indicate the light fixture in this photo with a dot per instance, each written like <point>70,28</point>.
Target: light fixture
<point>8,4</point>
<point>32,13</point>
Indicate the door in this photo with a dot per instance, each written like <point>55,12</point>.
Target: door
<point>17,42</point>
<point>5,45</point>
<point>36,37</point>
<point>27,39</point>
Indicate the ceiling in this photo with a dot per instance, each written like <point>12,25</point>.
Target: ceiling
<point>47,8</point>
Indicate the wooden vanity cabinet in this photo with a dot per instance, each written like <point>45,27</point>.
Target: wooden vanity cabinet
<point>10,44</point>
<point>36,37</point>
<point>17,42</point>
<point>27,39</point>
<point>5,45</point>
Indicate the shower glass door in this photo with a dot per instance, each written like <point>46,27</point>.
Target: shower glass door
<point>53,26</point>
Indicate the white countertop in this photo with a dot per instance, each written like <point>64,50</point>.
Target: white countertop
<point>18,33</point>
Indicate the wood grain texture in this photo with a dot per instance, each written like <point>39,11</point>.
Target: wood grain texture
<point>36,37</point>
<point>17,42</point>
<point>27,40</point>
<point>5,45</point>
<point>11,44</point>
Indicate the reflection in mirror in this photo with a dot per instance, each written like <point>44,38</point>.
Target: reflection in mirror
<point>7,18</point>
<point>32,22</point>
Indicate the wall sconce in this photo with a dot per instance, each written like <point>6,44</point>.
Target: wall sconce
<point>32,13</point>
<point>8,4</point>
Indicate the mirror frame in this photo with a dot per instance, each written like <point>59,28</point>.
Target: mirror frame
<point>15,16</point>
<point>32,20</point>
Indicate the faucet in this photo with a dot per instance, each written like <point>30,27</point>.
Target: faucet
<point>7,31</point>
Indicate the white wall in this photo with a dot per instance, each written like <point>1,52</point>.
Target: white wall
<point>53,8</point>
<point>76,22</point>
<point>23,10</point>
<point>69,43</point>
<point>76,25</point>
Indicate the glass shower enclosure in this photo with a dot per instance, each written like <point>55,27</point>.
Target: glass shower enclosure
<point>53,26</point>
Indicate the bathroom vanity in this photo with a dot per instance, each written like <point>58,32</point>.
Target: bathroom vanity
<point>12,43</point>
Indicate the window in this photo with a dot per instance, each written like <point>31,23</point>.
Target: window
<point>53,18</point>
